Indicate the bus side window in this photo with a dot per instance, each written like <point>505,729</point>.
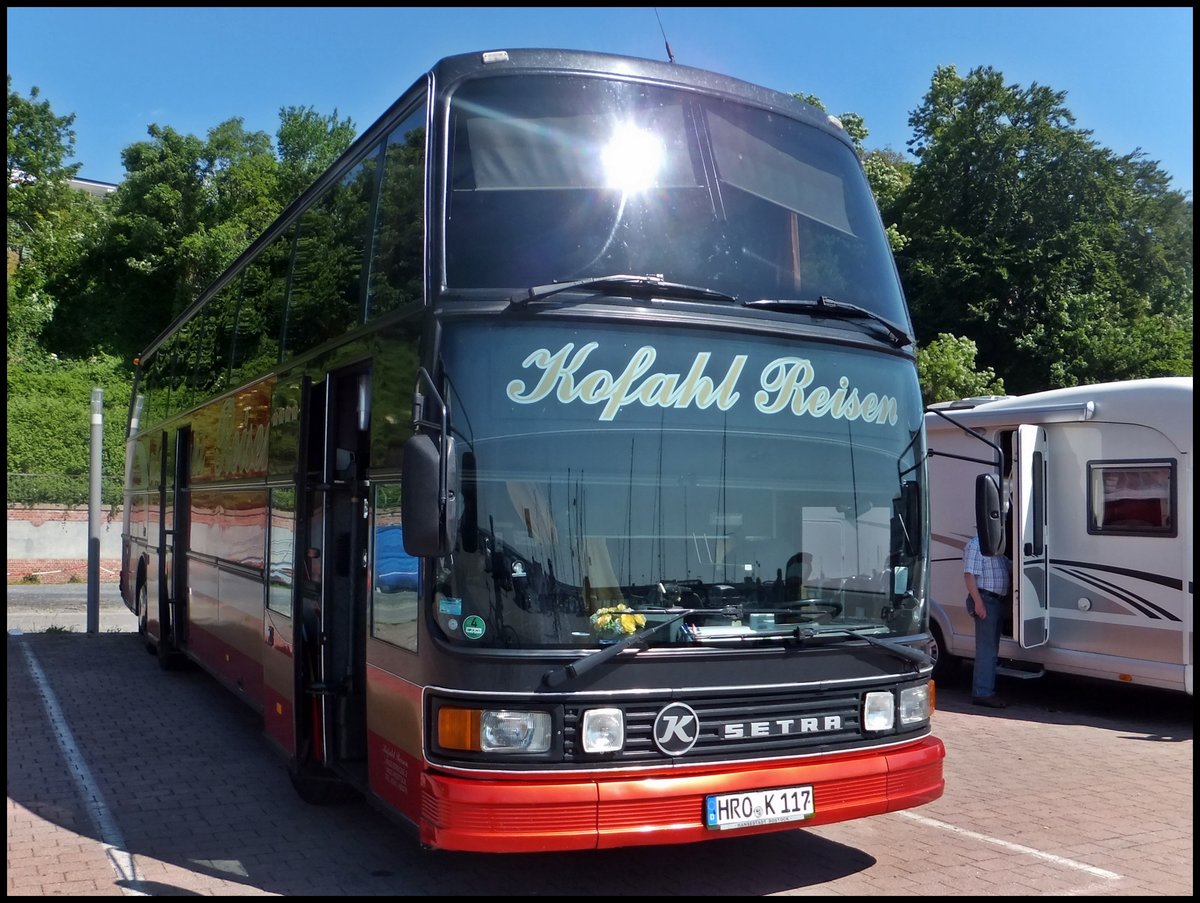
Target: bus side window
<point>325,293</point>
<point>255,349</point>
<point>281,540</point>
<point>397,276</point>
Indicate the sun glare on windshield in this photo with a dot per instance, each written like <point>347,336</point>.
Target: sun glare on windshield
<point>632,159</point>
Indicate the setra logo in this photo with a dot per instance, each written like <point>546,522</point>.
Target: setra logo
<point>676,729</point>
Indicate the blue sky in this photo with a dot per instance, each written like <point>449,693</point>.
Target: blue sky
<point>1127,72</point>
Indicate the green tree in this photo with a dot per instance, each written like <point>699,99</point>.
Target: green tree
<point>1045,249</point>
<point>239,176</point>
<point>48,222</point>
<point>308,144</point>
<point>130,284</point>
<point>91,283</point>
<point>186,210</point>
<point>889,175</point>
<point>946,367</point>
<point>48,400</point>
<point>39,144</point>
<point>851,123</point>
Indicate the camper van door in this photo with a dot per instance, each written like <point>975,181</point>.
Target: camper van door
<point>1029,544</point>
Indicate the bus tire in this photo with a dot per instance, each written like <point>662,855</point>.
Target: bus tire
<point>143,603</point>
<point>946,667</point>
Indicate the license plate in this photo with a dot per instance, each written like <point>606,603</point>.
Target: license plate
<point>758,807</point>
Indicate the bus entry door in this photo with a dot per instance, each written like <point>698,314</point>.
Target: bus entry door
<point>333,605</point>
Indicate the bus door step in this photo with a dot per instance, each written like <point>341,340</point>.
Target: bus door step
<point>1022,670</point>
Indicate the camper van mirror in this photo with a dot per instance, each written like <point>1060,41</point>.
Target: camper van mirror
<point>426,527</point>
<point>989,516</point>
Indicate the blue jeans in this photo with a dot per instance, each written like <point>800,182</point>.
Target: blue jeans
<point>987,643</point>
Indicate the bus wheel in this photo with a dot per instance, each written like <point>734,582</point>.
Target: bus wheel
<point>143,606</point>
<point>945,665</point>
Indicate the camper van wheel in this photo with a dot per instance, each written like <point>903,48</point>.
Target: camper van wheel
<point>945,665</point>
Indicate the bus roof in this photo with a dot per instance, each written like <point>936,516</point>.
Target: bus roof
<point>465,65</point>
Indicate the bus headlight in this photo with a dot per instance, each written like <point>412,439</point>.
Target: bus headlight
<point>504,731</point>
<point>914,704</point>
<point>494,730</point>
<point>603,730</point>
<point>879,711</point>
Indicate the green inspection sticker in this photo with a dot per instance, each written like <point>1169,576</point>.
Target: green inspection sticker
<point>474,627</point>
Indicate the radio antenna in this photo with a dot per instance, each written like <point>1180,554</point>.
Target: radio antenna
<point>670,55</point>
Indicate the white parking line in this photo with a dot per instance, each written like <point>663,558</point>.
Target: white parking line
<point>93,800</point>
<point>1015,847</point>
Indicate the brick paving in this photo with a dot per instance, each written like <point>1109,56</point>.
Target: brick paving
<point>1078,788</point>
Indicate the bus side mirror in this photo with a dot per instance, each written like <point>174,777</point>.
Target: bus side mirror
<point>989,516</point>
<point>428,527</point>
<point>906,519</point>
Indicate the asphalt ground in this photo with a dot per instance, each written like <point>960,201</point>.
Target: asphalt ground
<point>63,607</point>
<point>124,779</point>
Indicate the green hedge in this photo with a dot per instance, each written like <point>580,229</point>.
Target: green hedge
<point>49,428</point>
<point>71,490</point>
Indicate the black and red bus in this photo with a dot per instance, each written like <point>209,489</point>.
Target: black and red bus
<point>552,471</point>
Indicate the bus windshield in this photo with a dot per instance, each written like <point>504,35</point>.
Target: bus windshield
<point>560,178</point>
<point>599,476</point>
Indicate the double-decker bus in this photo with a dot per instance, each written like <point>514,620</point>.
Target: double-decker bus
<point>552,471</point>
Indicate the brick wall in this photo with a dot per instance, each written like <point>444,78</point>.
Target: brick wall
<point>50,543</point>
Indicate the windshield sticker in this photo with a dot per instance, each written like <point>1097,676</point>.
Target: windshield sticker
<point>784,384</point>
<point>449,606</point>
<point>474,627</point>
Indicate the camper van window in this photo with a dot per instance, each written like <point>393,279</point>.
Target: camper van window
<point>1132,497</point>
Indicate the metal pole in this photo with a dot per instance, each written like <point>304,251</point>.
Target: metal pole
<point>93,572</point>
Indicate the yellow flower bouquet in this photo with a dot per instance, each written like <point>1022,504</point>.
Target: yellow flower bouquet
<point>619,620</point>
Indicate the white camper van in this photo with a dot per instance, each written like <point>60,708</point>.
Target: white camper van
<point>1099,528</point>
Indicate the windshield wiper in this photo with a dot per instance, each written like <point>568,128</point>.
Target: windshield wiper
<point>556,677</point>
<point>615,284</point>
<point>908,653</point>
<point>828,307</point>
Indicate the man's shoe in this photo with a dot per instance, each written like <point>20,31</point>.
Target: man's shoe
<point>991,702</point>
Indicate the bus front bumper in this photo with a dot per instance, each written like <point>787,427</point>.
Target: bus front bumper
<point>662,806</point>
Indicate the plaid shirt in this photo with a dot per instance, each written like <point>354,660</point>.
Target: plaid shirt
<point>993,574</point>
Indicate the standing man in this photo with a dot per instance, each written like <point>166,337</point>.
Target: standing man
<point>988,579</point>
